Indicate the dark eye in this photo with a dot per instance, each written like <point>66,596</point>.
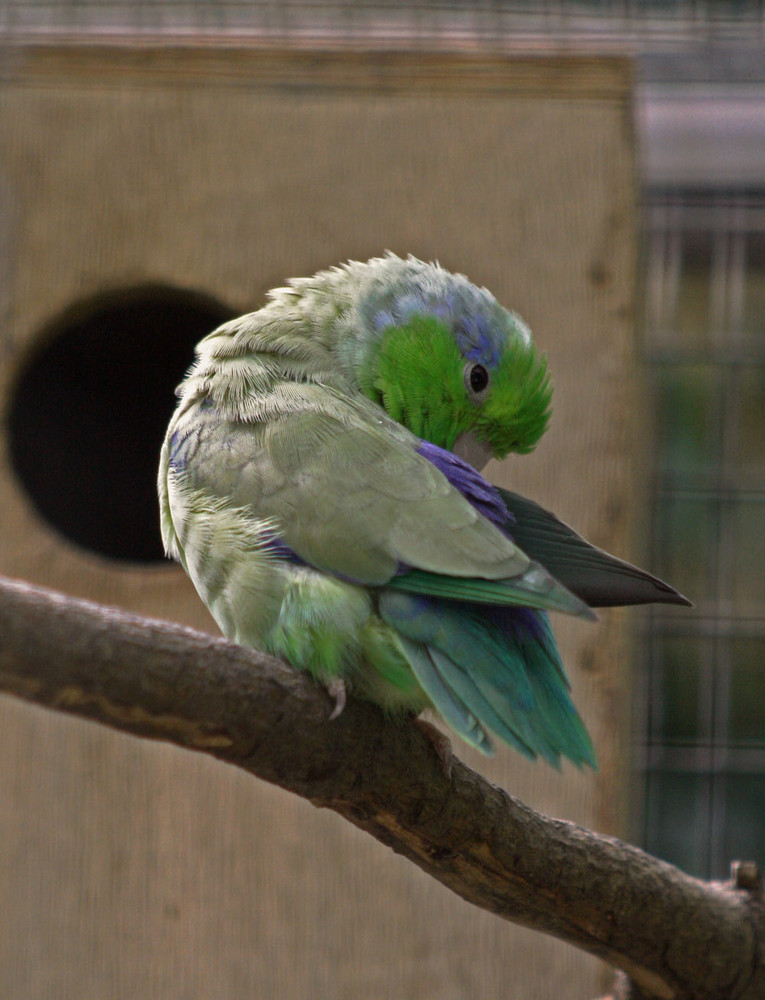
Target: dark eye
<point>476,379</point>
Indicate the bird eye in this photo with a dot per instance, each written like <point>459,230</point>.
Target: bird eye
<point>476,380</point>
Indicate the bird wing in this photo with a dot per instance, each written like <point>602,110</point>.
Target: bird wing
<point>353,498</point>
<point>600,579</point>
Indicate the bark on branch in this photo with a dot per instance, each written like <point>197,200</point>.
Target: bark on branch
<point>673,936</point>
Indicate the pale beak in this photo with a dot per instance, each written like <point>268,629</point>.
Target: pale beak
<point>471,450</point>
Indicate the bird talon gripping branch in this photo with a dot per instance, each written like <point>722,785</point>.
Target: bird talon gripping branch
<point>337,690</point>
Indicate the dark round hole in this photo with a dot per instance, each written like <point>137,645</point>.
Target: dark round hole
<point>89,411</point>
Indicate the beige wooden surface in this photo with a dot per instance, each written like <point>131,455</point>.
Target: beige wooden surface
<point>130,869</point>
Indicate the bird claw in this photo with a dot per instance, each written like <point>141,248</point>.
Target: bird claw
<point>337,690</point>
<point>440,743</point>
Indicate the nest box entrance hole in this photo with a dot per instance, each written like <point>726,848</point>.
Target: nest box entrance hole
<point>89,409</point>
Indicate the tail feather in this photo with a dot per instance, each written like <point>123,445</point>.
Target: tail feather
<point>470,691</point>
<point>486,668</point>
<point>556,715</point>
<point>445,700</point>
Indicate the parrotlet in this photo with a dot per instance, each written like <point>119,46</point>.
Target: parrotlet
<point>319,482</point>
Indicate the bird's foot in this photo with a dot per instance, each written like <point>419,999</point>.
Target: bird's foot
<point>440,743</point>
<point>337,690</point>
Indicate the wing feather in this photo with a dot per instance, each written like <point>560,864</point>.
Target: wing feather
<point>596,577</point>
<point>350,492</point>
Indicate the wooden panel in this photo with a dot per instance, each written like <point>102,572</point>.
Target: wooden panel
<point>132,869</point>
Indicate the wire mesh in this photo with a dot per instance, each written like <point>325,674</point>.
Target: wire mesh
<point>704,753</point>
<point>648,24</point>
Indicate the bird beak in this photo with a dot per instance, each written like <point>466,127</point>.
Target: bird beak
<point>471,450</point>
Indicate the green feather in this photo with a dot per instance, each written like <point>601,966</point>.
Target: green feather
<point>319,624</point>
<point>453,710</point>
<point>517,409</point>
<point>417,376</point>
<point>417,379</point>
<point>533,589</point>
<point>481,675</point>
<point>593,575</point>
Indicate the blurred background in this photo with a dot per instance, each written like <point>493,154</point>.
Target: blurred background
<point>602,169</point>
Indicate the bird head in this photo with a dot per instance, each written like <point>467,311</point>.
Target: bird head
<point>446,360</point>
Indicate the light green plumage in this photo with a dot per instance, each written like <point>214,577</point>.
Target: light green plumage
<point>294,491</point>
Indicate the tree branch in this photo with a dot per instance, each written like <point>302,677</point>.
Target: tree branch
<point>674,936</point>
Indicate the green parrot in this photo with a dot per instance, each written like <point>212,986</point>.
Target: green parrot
<point>319,483</point>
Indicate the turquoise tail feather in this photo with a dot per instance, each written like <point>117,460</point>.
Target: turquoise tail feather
<point>453,709</point>
<point>489,668</point>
